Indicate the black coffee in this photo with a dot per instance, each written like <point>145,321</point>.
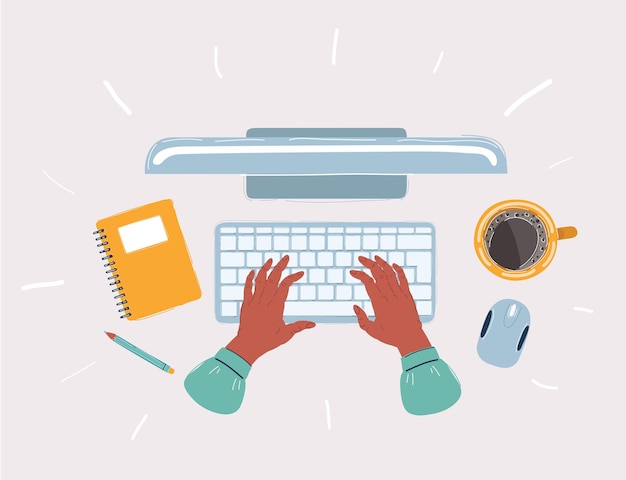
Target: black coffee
<point>515,240</point>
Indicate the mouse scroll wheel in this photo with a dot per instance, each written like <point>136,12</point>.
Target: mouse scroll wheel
<point>511,315</point>
<point>512,310</point>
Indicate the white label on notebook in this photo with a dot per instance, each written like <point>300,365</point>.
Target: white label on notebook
<point>142,234</point>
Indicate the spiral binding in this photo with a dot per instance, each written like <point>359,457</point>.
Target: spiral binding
<point>114,276</point>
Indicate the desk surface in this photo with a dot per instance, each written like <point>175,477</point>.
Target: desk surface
<point>89,88</point>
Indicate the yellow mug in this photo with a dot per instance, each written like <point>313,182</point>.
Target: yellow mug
<point>516,239</point>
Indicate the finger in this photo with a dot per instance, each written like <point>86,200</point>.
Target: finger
<point>372,265</point>
<point>403,282</point>
<point>283,288</point>
<point>261,280</point>
<point>371,286</point>
<point>364,322</point>
<point>247,288</point>
<point>274,277</point>
<point>298,326</point>
<point>390,280</point>
<point>378,274</point>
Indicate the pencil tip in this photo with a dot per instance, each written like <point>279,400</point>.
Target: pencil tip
<point>110,335</point>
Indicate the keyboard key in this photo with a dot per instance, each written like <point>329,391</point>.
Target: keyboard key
<point>246,230</point>
<point>343,259</point>
<point>234,259</point>
<point>263,230</point>
<point>334,275</point>
<point>388,230</point>
<point>224,230</point>
<point>281,229</point>
<point>387,242</point>
<point>281,243</point>
<point>396,257</point>
<point>421,260</point>
<point>319,308</point>
<point>360,293</point>
<point>228,242</point>
<point>307,292</point>
<point>370,242</point>
<point>293,293</point>
<point>307,259</point>
<point>254,259</point>
<point>420,292</point>
<point>228,275</point>
<point>317,242</point>
<point>295,230</point>
<point>353,242</point>
<point>263,242</point>
<point>406,230</point>
<point>424,308</point>
<point>245,242</point>
<point>229,309</point>
<point>325,259</point>
<point>242,274</point>
<point>234,292</point>
<point>335,242</point>
<point>316,275</point>
<point>353,229</point>
<point>317,229</point>
<point>335,229</point>
<point>325,292</point>
<point>299,242</point>
<point>414,242</point>
<point>343,292</point>
<point>371,230</point>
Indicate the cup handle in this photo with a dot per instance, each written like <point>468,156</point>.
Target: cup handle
<point>566,232</point>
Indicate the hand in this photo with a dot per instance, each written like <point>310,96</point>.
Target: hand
<point>396,320</point>
<point>261,324</point>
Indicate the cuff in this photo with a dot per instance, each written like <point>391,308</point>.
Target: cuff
<point>419,357</point>
<point>234,362</point>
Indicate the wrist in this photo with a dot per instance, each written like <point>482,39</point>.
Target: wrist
<point>244,350</point>
<point>412,343</point>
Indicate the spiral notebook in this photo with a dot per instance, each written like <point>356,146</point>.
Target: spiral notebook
<point>146,258</point>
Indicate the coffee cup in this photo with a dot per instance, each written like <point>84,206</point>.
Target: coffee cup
<point>517,239</point>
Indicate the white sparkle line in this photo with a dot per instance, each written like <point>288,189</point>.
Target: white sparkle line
<point>336,37</point>
<point>526,96</point>
<point>217,68</point>
<point>547,387</point>
<point>438,62</point>
<point>583,309</point>
<point>327,413</point>
<point>81,370</point>
<point>57,183</point>
<point>117,99</point>
<point>558,163</point>
<point>30,286</point>
<point>139,426</point>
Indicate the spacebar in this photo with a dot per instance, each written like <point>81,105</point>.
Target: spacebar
<point>317,308</point>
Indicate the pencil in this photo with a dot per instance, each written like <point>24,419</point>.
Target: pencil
<point>138,351</point>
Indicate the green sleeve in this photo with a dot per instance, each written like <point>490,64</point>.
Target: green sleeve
<point>428,385</point>
<point>219,383</point>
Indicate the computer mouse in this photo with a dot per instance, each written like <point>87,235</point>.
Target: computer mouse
<point>504,333</point>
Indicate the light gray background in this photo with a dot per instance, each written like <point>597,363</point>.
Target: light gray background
<point>275,59</point>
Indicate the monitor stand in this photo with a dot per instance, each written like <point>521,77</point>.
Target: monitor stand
<point>326,186</point>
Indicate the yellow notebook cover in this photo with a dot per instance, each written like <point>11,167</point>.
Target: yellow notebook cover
<point>146,259</point>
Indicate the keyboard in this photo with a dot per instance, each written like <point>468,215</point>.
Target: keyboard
<point>326,252</point>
